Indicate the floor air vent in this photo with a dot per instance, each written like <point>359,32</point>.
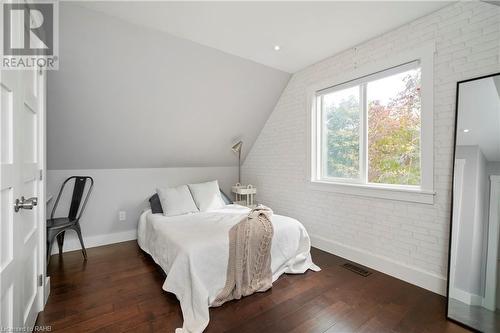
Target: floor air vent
<point>356,269</point>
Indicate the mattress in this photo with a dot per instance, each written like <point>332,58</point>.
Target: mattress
<point>193,252</point>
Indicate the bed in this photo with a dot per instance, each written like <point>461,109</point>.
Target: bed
<point>192,250</point>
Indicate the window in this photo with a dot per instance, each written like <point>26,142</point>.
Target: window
<point>369,132</point>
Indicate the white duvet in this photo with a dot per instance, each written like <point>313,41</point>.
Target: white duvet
<point>193,251</point>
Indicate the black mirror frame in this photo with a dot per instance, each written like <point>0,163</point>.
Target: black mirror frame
<point>451,211</point>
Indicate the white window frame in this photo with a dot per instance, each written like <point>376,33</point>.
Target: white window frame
<point>421,194</point>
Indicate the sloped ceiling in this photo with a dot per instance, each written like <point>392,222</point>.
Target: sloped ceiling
<point>496,79</point>
<point>127,96</point>
<point>306,31</point>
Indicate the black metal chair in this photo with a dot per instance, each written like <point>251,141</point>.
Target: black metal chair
<point>56,227</point>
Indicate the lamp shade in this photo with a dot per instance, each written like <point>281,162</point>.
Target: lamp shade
<point>237,147</point>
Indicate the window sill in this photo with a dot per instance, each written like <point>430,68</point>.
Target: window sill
<point>374,191</point>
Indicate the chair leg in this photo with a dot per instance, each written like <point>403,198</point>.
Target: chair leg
<point>79,232</point>
<point>60,242</point>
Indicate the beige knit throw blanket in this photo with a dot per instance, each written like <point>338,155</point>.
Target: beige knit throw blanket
<point>249,265</point>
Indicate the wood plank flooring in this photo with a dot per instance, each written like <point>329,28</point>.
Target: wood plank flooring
<point>119,290</point>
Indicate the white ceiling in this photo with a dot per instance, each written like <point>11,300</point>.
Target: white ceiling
<point>307,32</point>
<point>479,112</point>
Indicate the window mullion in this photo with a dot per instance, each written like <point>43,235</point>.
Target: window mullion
<point>364,135</point>
<point>324,140</point>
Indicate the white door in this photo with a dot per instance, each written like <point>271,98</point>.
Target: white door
<point>21,241</point>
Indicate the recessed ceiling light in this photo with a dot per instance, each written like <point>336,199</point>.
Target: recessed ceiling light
<point>277,48</point>
<point>466,130</point>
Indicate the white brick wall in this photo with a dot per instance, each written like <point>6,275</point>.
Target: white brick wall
<point>400,238</point>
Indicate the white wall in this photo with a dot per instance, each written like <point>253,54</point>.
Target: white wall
<point>407,240</point>
<point>479,251</point>
<point>471,249</point>
<point>468,216</point>
<point>124,190</point>
<point>126,96</point>
<point>493,168</point>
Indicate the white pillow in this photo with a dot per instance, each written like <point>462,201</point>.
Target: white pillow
<point>207,195</point>
<point>176,200</point>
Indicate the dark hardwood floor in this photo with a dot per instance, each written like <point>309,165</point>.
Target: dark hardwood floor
<point>119,290</point>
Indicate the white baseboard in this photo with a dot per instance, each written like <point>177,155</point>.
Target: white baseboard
<point>410,274</point>
<point>477,300</point>
<point>465,297</point>
<point>71,242</point>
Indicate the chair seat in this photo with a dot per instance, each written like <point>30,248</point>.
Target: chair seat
<point>60,222</point>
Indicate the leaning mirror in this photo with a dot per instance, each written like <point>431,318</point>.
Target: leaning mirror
<point>473,282</point>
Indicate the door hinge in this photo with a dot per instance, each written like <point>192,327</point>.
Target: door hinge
<point>40,280</point>
<point>40,174</point>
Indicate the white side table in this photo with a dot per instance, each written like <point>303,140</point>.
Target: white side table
<point>245,195</point>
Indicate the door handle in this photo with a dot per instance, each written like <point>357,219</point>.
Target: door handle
<point>25,203</point>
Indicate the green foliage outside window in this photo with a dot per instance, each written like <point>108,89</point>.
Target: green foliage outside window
<point>393,136</point>
<point>343,124</point>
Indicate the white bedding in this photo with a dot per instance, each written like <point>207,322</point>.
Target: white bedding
<point>193,251</point>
